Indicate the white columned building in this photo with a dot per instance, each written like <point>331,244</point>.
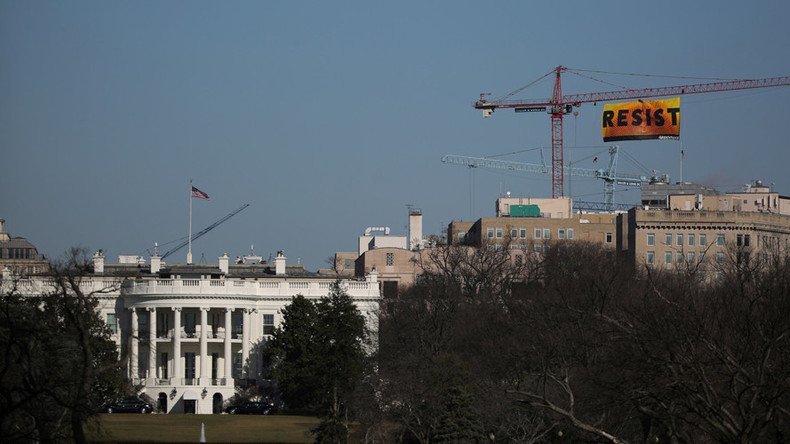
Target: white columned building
<point>192,331</point>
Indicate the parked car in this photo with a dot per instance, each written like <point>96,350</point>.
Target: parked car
<point>251,408</point>
<point>130,406</point>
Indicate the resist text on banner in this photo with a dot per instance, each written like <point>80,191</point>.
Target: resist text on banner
<point>644,119</point>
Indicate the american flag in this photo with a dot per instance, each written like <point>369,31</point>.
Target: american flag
<point>199,194</point>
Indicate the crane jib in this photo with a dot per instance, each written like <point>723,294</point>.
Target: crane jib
<point>560,104</point>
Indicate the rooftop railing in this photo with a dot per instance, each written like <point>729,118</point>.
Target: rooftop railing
<point>284,288</point>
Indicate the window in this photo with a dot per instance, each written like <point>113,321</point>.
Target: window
<point>537,248</point>
<point>570,233</point>
<point>547,233</point>
<point>519,260</point>
<point>189,324</point>
<point>538,233</point>
<point>651,239</point>
<point>651,257</point>
<point>692,239</point>
<point>214,323</point>
<point>703,239</point>
<point>668,257</point>
<point>237,365</point>
<point>746,239</point>
<point>236,322</point>
<point>523,233</point>
<point>702,257</point>
<point>490,232</point>
<point>112,322</point>
<point>498,232</point>
<point>514,233</point>
<point>162,324</point>
<point>679,239</point>
<point>608,238</point>
<point>189,367</point>
<point>679,257</point>
<point>461,238</point>
<point>268,324</point>
<point>390,259</point>
<point>720,239</point>
<point>142,365</point>
<point>690,257</point>
<point>668,239</point>
<point>720,258</point>
<point>163,364</point>
<point>142,321</point>
<point>561,233</point>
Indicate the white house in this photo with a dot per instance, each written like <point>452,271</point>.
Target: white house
<point>191,333</point>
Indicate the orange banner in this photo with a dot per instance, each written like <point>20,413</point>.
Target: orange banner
<point>644,119</point>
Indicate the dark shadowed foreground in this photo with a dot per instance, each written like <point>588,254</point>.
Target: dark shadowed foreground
<point>575,346</point>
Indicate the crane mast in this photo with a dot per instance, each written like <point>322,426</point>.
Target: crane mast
<point>559,105</point>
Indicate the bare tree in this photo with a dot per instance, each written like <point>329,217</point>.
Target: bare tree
<point>59,363</point>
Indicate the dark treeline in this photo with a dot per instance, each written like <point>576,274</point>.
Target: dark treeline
<point>577,346</point>
<point>58,362</point>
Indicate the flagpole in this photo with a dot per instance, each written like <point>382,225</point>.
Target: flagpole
<point>189,252</point>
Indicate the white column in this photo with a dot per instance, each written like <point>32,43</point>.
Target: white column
<point>204,358</point>
<point>228,354</point>
<point>152,342</point>
<point>177,375</point>
<point>245,340</point>
<point>134,348</point>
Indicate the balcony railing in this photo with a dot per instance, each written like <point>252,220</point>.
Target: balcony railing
<point>211,334</point>
<point>263,289</point>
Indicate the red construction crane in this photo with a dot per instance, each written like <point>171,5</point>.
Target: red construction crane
<point>559,105</point>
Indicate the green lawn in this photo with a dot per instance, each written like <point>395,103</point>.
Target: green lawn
<point>186,428</point>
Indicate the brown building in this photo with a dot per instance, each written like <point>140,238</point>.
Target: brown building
<point>18,256</point>
<point>698,229</point>
<point>396,267</point>
<point>547,220</point>
<point>533,232</point>
<point>695,225</point>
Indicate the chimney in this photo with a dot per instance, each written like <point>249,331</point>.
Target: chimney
<point>3,235</point>
<point>156,263</point>
<point>415,229</point>
<point>98,262</point>
<point>279,264</point>
<point>223,263</point>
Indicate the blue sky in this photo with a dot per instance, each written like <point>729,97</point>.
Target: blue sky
<point>329,117</point>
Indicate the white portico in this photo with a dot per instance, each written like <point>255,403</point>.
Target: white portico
<point>194,331</point>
